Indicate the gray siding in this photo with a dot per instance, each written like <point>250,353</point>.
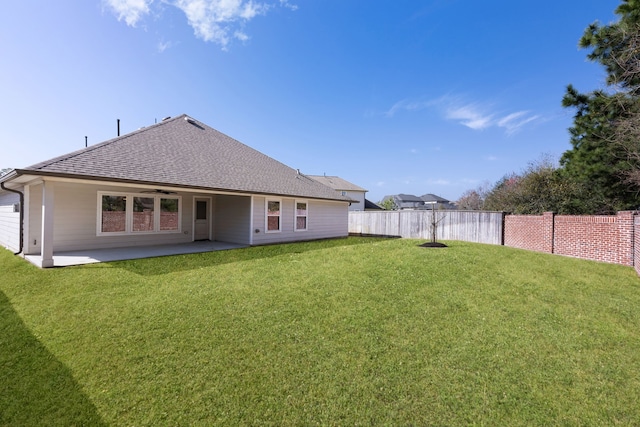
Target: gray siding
<point>9,221</point>
<point>356,195</point>
<point>470,226</point>
<point>75,219</point>
<point>325,220</point>
<point>76,216</point>
<point>232,219</point>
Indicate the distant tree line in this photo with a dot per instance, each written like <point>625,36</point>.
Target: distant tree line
<point>600,174</point>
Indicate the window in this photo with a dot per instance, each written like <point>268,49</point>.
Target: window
<point>201,209</point>
<point>273,215</point>
<point>113,214</point>
<point>301,215</point>
<point>169,214</point>
<point>126,213</point>
<point>143,213</point>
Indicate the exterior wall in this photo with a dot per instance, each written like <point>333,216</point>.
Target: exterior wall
<point>232,219</point>
<point>356,195</point>
<point>76,216</point>
<point>325,220</point>
<point>9,221</point>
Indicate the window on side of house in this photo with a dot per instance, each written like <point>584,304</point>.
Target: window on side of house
<point>125,213</point>
<point>302,214</point>
<point>143,215</point>
<point>273,214</point>
<point>113,214</point>
<point>169,214</point>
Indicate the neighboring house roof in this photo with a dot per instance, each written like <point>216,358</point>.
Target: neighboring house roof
<point>182,152</point>
<point>407,198</point>
<point>426,201</point>
<point>337,183</point>
<point>405,201</point>
<point>433,198</point>
<point>368,204</point>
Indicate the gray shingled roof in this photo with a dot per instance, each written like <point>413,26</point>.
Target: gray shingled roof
<point>185,153</point>
<point>336,183</point>
<point>433,198</point>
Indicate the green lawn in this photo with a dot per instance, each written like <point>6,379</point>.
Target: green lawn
<point>343,332</point>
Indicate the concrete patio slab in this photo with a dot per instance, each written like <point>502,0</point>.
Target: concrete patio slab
<point>64,259</point>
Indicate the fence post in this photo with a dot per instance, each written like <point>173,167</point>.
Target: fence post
<point>625,221</point>
<point>548,223</point>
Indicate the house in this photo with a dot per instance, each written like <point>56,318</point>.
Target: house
<point>174,182</point>
<point>432,201</point>
<point>405,201</point>
<point>426,201</point>
<point>344,188</point>
<point>370,206</point>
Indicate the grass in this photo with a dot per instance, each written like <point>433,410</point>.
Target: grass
<point>342,332</point>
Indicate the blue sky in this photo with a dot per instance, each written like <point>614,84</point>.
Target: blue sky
<point>402,96</point>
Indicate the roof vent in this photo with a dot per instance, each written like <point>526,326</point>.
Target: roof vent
<point>190,120</point>
<point>166,118</point>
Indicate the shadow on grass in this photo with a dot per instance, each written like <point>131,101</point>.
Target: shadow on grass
<point>174,263</point>
<point>35,388</point>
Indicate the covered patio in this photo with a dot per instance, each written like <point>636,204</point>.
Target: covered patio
<point>89,256</point>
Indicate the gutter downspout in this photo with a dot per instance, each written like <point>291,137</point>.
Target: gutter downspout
<point>21,215</point>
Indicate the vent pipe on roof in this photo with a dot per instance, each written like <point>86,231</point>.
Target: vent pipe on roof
<point>86,144</point>
<point>118,126</point>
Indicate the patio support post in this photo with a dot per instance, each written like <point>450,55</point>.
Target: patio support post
<point>46,240</point>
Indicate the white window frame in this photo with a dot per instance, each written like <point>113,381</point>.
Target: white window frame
<point>296,216</point>
<point>266,215</point>
<point>129,213</point>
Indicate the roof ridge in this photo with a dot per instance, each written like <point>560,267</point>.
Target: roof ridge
<point>100,144</point>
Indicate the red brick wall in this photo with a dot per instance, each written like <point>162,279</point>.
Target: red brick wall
<point>636,244</point>
<point>599,238</point>
<point>528,232</point>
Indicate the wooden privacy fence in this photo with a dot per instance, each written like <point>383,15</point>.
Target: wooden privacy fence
<point>469,226</point>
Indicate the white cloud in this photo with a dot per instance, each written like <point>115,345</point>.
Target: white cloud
<point>473,115</point>
<point>478,117</point>
<point>131,11</point>
<point>217,21</point>
<point>285,3</point>
<point>406,105</point>
<point>162,46</point>
<point>514,122</point>
<point>470,116</point>
<point>241,36</point>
